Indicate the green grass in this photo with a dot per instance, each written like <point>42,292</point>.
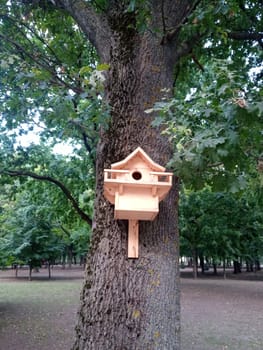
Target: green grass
<point>38,315</point>
<point>35,291</point>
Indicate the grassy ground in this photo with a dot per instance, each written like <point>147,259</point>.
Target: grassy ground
<point>216,314</point>
<point>38,315</point>
<point>221,314</point>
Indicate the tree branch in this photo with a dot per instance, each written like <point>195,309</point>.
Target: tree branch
<point>93,24</point>
<point>86,142</point>
<point>17,25</point>
<point>187,46</point>
<point>253,36</point>
<point>88,147</point>
<point>64,230</point>
<point>171,32</point>
<point>196,61</point>
<point>41,63</point>
<point>59,184</point>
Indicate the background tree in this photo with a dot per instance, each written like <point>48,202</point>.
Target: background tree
<point>221,227</point>
<point>49,202</point>
<point>6,254</point>
<point>191,221</point>
<point>30,237</point>
<point>143,44</point>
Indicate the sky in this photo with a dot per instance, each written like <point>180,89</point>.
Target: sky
<point>62,148</point>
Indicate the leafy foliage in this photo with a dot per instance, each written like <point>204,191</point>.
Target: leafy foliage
<point>38,227</point>
<point>30,237</point>
<point>216,128</point>
<point>51,82</point>
<point>50,78</point>
<point>221,226</point>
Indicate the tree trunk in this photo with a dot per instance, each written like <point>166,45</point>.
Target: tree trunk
<point>133,303</point>
<point>237,267</point>
<point>224,268</point>
<point>49,270</point>
<point>30,273</point>
<point>195,263</point>
<point>63,261</point>
<point>70,255</point>
<point>249,266</point>
<point>215,268</point>
<point>257,265</point>
<point>202,263</point>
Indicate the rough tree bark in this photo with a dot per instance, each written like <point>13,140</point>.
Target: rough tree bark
<point>127,303</point>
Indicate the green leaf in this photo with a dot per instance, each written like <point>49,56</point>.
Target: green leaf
<point>85,70</point>
<point>103,67</point>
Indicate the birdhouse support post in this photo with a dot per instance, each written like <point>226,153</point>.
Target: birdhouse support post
<point>133,239</point>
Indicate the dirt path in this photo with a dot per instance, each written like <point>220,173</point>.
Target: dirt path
<point>221,314</point>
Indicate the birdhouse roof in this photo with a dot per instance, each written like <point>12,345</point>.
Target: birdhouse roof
<point>138,153</point>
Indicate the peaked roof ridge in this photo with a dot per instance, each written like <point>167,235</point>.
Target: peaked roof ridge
<point>144,155</point>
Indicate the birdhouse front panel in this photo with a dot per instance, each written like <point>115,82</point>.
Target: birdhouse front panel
<point>136,204</point>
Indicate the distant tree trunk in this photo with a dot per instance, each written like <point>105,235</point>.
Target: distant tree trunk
<point>215,268</point>
<point>74,257</point>
<point>82,261</point>
<point>257,265</point>
<point>237,267</point>
<point>195,263</point>
<point>249,266</point>
<point>70,255</point>
<point>202,263</point>
<point>49,270</point>
<point>224,269</point>
<point>63,261</point>
<point>30,273</point>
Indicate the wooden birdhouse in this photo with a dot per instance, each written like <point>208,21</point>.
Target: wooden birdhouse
<point>135,186</point>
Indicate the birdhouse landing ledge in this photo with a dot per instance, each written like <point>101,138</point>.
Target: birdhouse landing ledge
<point>135,186</point>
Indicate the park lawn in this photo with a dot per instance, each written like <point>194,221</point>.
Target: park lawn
<point>222,314</point>
<point>216,314</point>
<point>38,315</point>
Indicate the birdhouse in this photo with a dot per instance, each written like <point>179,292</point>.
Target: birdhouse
<point>135,186</point>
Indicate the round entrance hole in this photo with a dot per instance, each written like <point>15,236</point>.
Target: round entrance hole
<point>137,175</point>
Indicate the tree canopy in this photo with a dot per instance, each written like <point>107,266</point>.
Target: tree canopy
<point>51,82</point>
<point>52,85</point>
